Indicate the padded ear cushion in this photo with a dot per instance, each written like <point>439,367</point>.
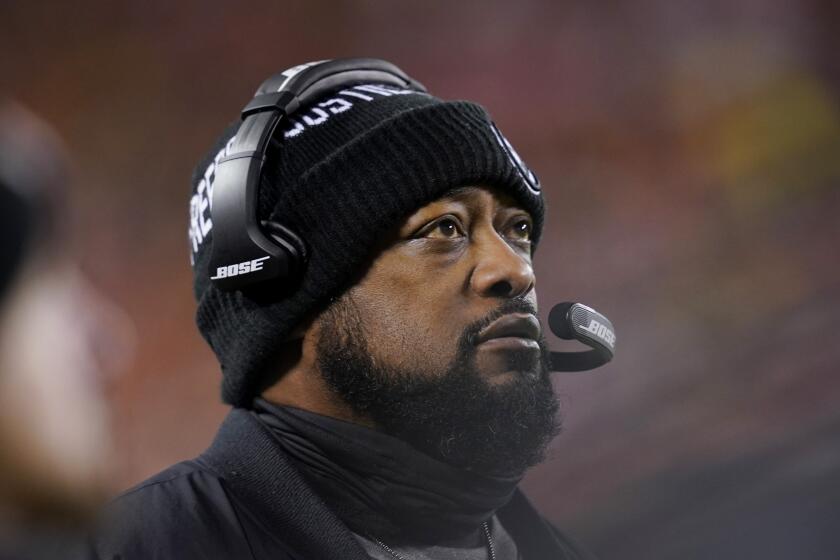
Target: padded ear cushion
<point>289,241</point>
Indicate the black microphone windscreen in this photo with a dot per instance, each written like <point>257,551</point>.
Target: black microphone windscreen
<point>558,321</point>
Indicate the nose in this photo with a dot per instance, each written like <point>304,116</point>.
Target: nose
<point>500,271</point>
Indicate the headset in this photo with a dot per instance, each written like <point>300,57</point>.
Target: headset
<point>247,251</point>
<point>575,321</point>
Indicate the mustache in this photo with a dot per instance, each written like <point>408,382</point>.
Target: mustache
<point>517,305</point>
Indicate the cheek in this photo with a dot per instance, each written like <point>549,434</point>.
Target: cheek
<point>411,317</point>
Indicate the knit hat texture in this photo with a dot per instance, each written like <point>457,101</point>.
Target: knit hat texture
<point>341,173</point>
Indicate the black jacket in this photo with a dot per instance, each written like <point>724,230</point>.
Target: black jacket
<point>243,499</point>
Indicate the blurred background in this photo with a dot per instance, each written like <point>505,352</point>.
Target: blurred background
<point>690,154</point>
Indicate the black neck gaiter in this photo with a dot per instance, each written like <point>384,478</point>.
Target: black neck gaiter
<point>381,486</point>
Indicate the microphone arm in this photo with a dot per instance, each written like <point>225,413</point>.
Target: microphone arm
<point>575,321</point>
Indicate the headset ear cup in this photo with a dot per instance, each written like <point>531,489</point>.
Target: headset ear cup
<point>289,242</point>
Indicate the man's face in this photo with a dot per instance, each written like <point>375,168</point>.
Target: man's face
<point>439,343</point>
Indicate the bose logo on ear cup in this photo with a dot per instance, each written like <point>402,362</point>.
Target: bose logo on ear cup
<point>239,269</point>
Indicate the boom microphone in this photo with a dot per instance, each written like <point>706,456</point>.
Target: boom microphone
<point>575,321</point>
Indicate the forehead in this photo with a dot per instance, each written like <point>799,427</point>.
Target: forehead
<point>475,196</point>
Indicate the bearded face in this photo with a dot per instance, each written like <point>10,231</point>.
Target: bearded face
<point>438,344</point>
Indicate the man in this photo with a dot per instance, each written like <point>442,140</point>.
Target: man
<point>388,401</point>
<point>60,341</point>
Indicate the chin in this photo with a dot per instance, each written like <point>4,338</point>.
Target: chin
<point>504,367</point>
<point>509,376</point>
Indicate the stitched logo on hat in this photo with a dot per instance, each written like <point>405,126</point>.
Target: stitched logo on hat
<point>524,171</point>
<point>342,101</point>
<point>201,202</point>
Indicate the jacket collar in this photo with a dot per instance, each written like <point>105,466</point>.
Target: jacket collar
<point>257,471</point>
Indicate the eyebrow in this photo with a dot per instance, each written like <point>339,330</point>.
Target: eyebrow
<point>457,193</point>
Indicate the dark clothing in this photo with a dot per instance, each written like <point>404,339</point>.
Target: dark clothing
<point>381,486</point>
<point>244,499</point>
<point>46,542</point>
<point>503,547</point>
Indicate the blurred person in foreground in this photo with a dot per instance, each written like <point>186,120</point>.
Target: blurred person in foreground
<point>388,403</point>
<point>58,340</point>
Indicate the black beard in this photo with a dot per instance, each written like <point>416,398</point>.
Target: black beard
<point>454,415</point>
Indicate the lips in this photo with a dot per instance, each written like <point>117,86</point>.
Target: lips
<point>512,325</point>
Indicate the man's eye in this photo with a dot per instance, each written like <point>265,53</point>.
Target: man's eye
<point>446,228</point>
<point>520,230</point>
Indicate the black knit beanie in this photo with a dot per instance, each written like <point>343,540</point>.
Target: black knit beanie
<point>342,173</point>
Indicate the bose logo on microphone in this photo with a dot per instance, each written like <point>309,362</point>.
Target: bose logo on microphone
<point>600,331</point>
<point>239,269</point>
